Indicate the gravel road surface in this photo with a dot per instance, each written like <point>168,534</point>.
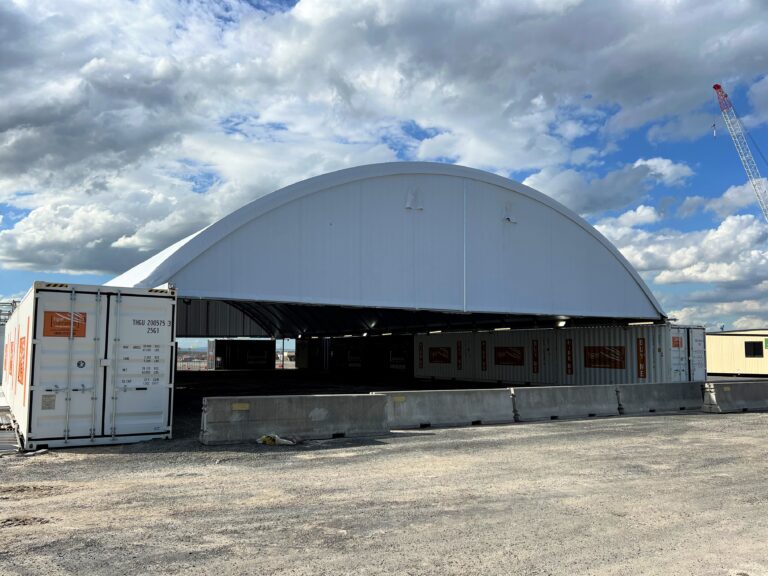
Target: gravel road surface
<point>651,495</point>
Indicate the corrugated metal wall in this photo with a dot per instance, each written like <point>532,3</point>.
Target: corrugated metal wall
<point>577,356</point>
<point>205,318</point>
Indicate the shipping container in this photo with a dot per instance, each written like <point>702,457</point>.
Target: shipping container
<point>738,353</point>
<point>90,364</point>
<point>2,350</point>
<point>390,355</point>
<point>567,356</point>
<point>346,354</point>
<point>241,354</point>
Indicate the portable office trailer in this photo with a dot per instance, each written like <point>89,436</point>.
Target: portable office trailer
<point>90,364</point>
<point>575,356</point>
<point>738,353</point>
<point>241,354</point>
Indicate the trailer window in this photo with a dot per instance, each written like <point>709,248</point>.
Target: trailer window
<point>753,349</point>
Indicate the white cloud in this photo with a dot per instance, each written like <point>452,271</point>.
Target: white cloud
<point>114,116</point>
<point>733,200</point>
<point>748,322</point>
<point>758,99</point>
<point>587,193</point>
<point>691,205</point>
<point>740,315</point>
<point>729,253</point>
<point>639,216</point>
<point>668,172</point>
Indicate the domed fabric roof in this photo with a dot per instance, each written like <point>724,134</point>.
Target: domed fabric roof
<point>409,236</point>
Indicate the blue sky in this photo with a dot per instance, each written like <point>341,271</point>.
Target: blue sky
<point>125,131</point>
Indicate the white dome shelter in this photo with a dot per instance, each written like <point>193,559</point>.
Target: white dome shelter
<point>396,247</point>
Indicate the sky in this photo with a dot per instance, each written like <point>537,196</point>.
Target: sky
<point>127,125</point>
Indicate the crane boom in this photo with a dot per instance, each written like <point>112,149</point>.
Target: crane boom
<point>736,129</point>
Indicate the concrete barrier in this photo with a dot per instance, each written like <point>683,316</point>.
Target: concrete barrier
<point>557,402</point>
<point>231,420</point>
<point>423,408</point>
<point>735,396</point>
<point>650,398</point>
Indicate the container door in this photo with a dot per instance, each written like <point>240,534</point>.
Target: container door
<point>66,396</point>
<point>139,382</point>
<point>548,354</point>
<point>697,347</point>
<point>679,354</point>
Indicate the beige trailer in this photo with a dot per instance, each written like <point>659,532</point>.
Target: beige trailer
<point>738,352</point>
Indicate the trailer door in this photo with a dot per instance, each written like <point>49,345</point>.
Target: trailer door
<point>139,383</point>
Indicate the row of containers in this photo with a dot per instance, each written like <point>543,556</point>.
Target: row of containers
<point>547,357</point>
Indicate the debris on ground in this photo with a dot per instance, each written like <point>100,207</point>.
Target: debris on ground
<point>275,440</point>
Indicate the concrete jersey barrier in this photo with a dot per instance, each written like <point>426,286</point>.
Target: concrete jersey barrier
<point>231,420</point>
<point>650,398</point>
<point>423,408</point>
<point>735,396</point>
<point>557,402</point>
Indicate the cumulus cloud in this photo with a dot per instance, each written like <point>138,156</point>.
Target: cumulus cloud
<point>125,127</point>
<point>732,201</point>
<point>730,253</point>
<point>741,315</point>
<point>666,171</point>
<point>588,193</point>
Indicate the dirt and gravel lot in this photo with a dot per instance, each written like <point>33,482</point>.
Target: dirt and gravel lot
<point>652,495</point>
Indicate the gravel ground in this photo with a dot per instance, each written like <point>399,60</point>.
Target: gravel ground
<point>651,495</point>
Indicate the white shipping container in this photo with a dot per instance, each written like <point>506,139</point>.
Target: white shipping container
<point>2,350</point>
<point>445,356</point>
<point>571,356</point>
<point>90,365</point>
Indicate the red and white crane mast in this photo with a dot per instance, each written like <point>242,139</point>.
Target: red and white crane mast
<point>736,129</point>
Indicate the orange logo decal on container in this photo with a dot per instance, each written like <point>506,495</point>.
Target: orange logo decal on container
<point>21,370</point>
<point>58,324</point>
<point>509,356</point>
<point>677,341</point>
<point>440,355</point>
<point>611,357</point>
<point>23,378</point>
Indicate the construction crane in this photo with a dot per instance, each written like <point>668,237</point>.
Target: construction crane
<point>739,136</point>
